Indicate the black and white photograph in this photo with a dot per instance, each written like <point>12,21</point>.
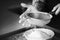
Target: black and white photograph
<point>29,19</point>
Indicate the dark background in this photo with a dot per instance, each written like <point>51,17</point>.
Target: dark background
<point>9,20</point>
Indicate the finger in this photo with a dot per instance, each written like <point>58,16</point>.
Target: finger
<point>54,8</point>
<point>58,10</point>
<point>23,5</point>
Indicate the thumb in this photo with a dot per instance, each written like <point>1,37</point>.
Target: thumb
<point>58,10</point>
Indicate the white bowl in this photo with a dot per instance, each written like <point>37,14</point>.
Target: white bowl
<point>39,34</point>
<point>39,19</point>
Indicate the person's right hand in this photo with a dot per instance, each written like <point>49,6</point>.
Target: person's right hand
<point>56,7</point>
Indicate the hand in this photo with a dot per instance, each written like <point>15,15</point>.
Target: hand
<point>58,9</point>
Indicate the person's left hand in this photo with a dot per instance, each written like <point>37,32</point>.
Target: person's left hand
<point>56,7</point>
